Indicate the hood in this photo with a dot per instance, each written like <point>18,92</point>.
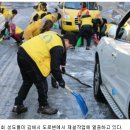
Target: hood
<point>70,12</point>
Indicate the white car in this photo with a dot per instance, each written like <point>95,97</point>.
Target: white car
<point>2,22</point>
<point>112,68</point>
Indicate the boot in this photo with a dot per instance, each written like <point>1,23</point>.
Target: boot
<point>19,109</point>
<point>47,110</point>
<point>87,48</point>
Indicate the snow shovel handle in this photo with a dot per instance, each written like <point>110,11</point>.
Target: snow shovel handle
<point>68,88</point>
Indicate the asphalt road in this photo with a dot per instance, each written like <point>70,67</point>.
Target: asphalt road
<point>80,63</point>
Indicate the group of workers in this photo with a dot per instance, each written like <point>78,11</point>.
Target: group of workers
<point>89,27</point>
<point>40,22</point>
<point>7,17</point>
<point>44,53</point>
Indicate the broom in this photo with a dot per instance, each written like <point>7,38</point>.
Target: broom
<point>78,80</point>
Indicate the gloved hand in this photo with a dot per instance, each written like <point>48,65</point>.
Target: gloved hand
<point>61,83</point>
<point>54,83</point>
<point>63,70</point>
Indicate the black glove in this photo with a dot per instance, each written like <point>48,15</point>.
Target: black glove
<point>61,83</point>
<point>63,70</point>
<point>54,83</point>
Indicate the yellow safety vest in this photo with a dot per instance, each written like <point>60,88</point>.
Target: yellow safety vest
<point>40,7</point>
<point>86,21</point>
<point>38,48</point>
<point>32,30</point>
<point>8,14</point>
<point>40,13</point>
<point>3,9</point>
<point>37,31</point>
<point>52,17</point>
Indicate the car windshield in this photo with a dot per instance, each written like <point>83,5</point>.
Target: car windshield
<point>76,5</point>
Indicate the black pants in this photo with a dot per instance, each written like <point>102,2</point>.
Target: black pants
<point>31,74</point>
<point>86,32</point>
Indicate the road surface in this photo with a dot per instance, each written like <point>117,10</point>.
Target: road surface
<point>80,63</point>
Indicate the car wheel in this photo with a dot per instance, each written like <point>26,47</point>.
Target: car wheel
<point>97,83</point>
<point>129,111</point>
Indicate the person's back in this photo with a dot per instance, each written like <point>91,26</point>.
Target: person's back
<point>40,14</point>
<point>38,48</point>
<point>31,30</point>
<point>35,28</point>
<point>50,17</point>
<point>42,27</point>
<point>86,20</point>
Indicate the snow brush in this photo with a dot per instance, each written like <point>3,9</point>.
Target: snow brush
<point>78,80</point>
<point>80,101</point>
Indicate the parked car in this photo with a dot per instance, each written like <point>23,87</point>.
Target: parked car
<point>112,68</point>
<point>2,24</point>
<point>69,20</point>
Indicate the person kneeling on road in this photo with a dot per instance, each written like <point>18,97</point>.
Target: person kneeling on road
<point>37,58</point>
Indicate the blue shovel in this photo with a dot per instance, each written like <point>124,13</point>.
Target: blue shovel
<point>80,101</point>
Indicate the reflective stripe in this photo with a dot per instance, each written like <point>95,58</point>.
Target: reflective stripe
<point>86,21</point>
